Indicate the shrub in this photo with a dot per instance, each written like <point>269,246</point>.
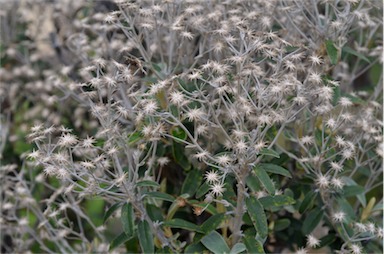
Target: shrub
<point>193,126</point>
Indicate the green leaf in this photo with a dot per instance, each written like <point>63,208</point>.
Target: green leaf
<point>134,137</point>
<point>179,133</point>
<point>375,72</point>
<point>145,237</point>
<point>358,191</point>
<point>111,210</point>
<point>195,248</point>
<point>253,245</point>
<point>312,220</point>
<point>238,248</point>
<point>353,190</point>
<point>258,217</point>
<point>281,224</point>
<point>202,190</point>
<point>351,51</point>
<point>179,156</point>
<point>247,220</point>
<point>355,100</point>
<point>344,230</point>
<point>336,95</point>
<point>191,182</point>
<point>157,67</point>
<point>272,168</point>
<point>215,243</point>
<point>122,238</point>
<point>127,219</point>
<point>269,202</point>
<point>180,223</point>
<point>344,206</point>
<point>212,222</point>
<point>154,212</point>
<point>147,183</point>
<point>20,147</point>
<point>165,250</point>
<point>253,183</point>
<point>269,152</point>
<point>327,240</point>
<point>307,201</point>
<point>332,51</point>
<point>174,110</point>
<point>264,179</point>
<point>161,196</point>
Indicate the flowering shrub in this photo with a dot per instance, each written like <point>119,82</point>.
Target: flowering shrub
<point>196,126</point>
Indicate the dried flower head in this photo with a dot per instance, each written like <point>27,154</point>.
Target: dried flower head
<point>312,241</point>
<point>217,189</point>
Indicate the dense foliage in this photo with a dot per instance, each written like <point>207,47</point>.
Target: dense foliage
<point>237,126</point>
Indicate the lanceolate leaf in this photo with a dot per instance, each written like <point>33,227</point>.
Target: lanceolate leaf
<point>145,237</point>
<point>160,195</point>
<point>180,223</point>
<point>253,183</point>
<point>179,156</point>
<point>202,190</point>
<point>258,217</point>
<point>213,222</point>
<point>134,137</point>
<point>191,182</point>
<point>264,179</point>
<point>352,190</point>
<point>269,152</point>
<point>111,210</point>
<point>147,183</point>
<point>122,238</point>
<point>351,51</point>
<point>308,199</point>
<point>327,240</point>
<point>272,168</point>
<point>127,219</point>
<point>332,51</point>
<point>312,220</point>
